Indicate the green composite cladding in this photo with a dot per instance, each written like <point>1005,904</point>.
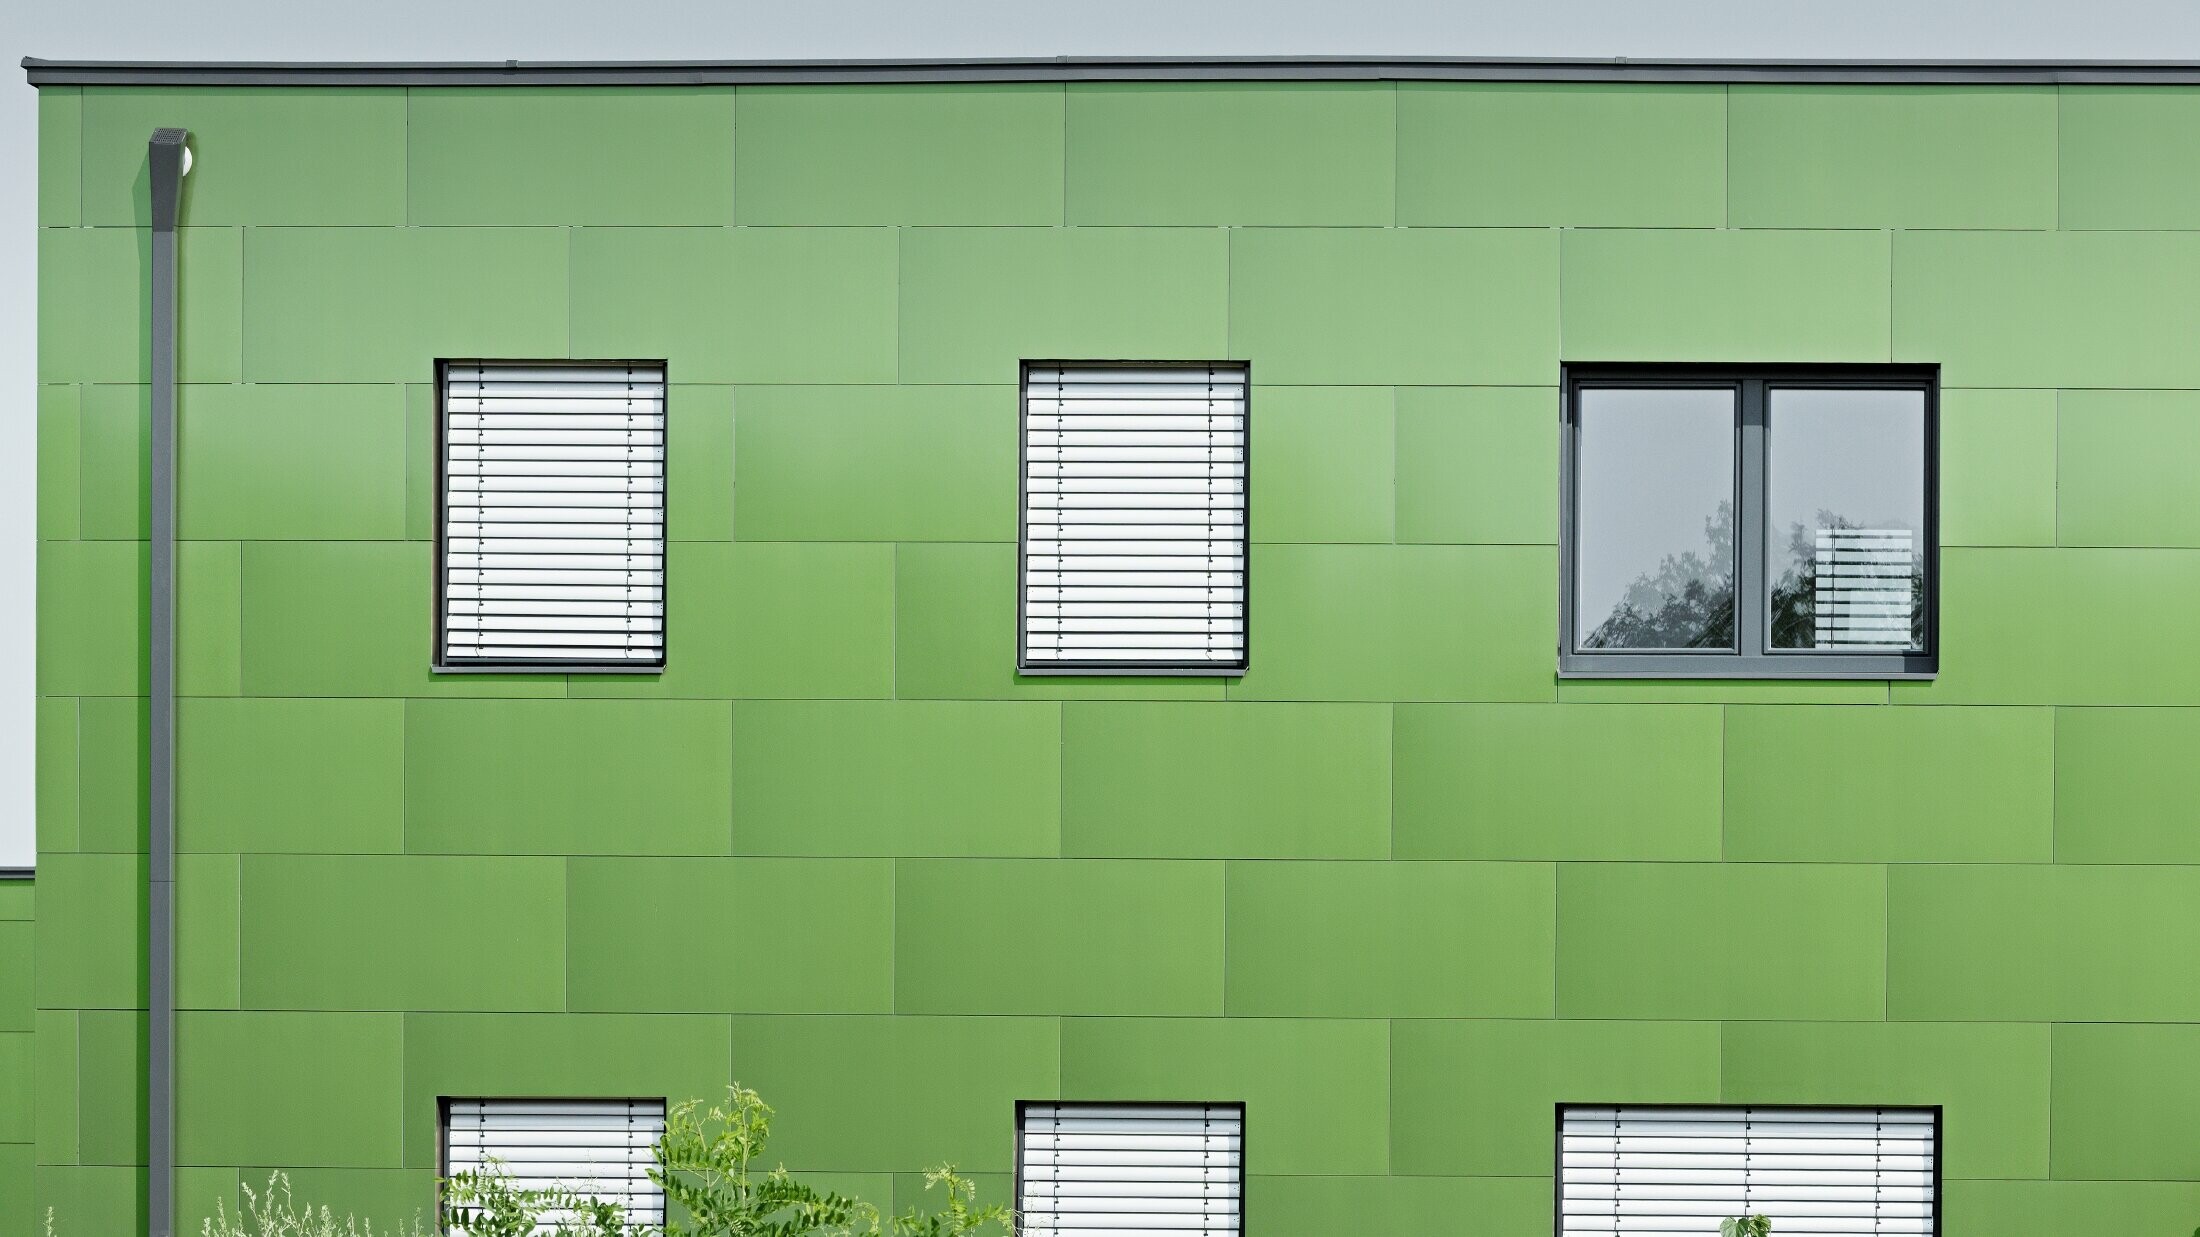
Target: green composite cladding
<point>1397,888</point>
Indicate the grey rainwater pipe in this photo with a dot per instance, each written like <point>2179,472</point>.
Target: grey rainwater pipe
<point>168,159</point>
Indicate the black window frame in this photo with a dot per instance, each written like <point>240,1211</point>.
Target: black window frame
<point>438,602</point>
<point>1753,657</point>
<point>1157,667</point>
<point>1245,1144</point>
<point>1558,1142</point>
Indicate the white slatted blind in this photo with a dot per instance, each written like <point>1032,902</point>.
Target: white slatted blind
<point>600,1148</point>
<point>1134,517</point>
<point>1682,1170</point>
<point>554,515</point>
<point>1861,591</point>
<point>1156,1170</point>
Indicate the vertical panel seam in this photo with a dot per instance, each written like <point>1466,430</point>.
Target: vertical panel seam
<point>1726,156</point>
<point>2056,206</point>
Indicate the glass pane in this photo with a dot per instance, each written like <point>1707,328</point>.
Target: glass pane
<point>1845,519</point>
<point>1654,519</point>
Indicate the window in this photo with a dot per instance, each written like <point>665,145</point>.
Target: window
<point>1661,1169</point>
<point>1133,519</point>
<point>551,489</point>
<point>599,1148</point>
<point>1775,522</point>
<point>1152,1170</point>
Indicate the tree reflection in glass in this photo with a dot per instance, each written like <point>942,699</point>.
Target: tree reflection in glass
<point>1654,471</point>
<point>1845,498</point>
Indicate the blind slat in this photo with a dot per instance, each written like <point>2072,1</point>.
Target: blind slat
<point>1138,468</point>
<point>554,493</point>
<point>597,1148</point>
<point>1101,1169</point>
<point>1683,1170</point>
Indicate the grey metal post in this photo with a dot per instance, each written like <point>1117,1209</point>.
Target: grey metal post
<point>165,158</point>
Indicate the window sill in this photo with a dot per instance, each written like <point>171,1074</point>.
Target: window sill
<point>539,669</point>
<point>1893,669</point>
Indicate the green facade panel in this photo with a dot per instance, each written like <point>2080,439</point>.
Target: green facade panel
<point>273,776</point>
<point>1080,936</point>
<point>1214,154</point>
<point>1424,307</point>
<point>299,932</point>
<point>1547,781</point>
<point>2046,309</point>
<point>1891,157</point>
<point>1215,780</point>
<point>1827,921</point>
<point>838,960</point>
<point>888,1094</point>
<point>2121,462</point>
<point>567,155</point>
<point>2001,482</point>
<point>907,155</point>
<point>1483,931</point>
<point>1992,1078</point>
<point>410,296</point>
<point>1542,154</point>
<point>2125,786</point>
<point>1327,456</point>
<point>2065,943</point>
<point>1733,296</point>
<point>897,778</point>
<point>1911,785</point>
<point>288,156</point>
<point>1477,1096</point>
<point>305,463</point>
<point>1397,887</point>
<point>2127,157</point>
<point>537,777</point>
<point>766,305</point>
<point>1476,465</point>
<point>2126,1104</point>
<point>1319,1085</point>
<point>976,301</point>
<point>874,463</point>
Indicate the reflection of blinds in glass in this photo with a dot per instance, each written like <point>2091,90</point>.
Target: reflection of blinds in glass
<point>597,1148</point>
<point>1677,1172</point>
<point>1134,517</point>
<point>1146,1170</point>
<point>554,515</point>
<point>1861,595</point>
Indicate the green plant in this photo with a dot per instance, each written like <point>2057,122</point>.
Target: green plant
<point>705,1165</point>
<point>1746,1226</point>
<point>487,1203</point>
<point>274,1213</point>
<point>960,1218</point>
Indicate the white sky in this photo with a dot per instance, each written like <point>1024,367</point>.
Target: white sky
<point>809,29</point>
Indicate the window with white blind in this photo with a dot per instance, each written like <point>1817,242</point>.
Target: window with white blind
<point>1771,521</point>
<point>1154,1170</point>
<point>1668,1171</point>
<point>551,533</point>
<point>596,1148</point>
<point>1134,506</point>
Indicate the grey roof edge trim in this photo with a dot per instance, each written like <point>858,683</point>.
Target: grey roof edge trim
<point>1103,68</point>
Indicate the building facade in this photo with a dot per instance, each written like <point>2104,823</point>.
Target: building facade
<point>1474,790</point>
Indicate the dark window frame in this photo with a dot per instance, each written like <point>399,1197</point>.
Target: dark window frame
<point>1752,658</point>
<point>1157,668</point>
<point>1558,1142</point>
<point>1245,1143</point>
<point>437,601</point>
